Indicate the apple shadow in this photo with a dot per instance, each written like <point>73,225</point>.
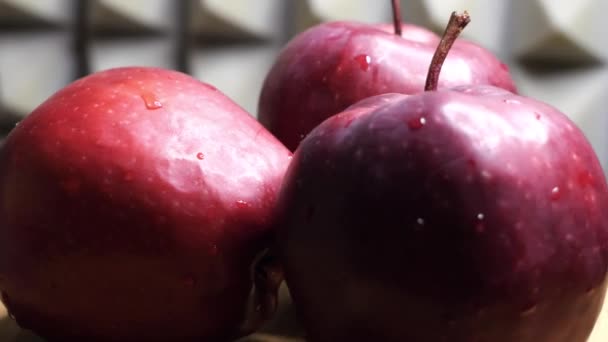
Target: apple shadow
<point>285,322</point>
<point>11,332</point>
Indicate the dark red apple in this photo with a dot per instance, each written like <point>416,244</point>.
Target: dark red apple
<point>132,205</point>
<point>330,66</point>
<point>468,214</point>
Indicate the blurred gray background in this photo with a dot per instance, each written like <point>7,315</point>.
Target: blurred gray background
<point>557,49</point>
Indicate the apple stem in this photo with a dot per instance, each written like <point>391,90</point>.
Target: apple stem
<point>397,16</point>
<point>455,26</point>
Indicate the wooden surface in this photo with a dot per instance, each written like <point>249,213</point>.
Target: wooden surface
<point>9,332</point>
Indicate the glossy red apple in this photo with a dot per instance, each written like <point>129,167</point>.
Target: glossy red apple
<point>132,205</point>
<point>468,214</point>
<point>330,66</point>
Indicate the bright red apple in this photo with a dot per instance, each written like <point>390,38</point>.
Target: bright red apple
<point>330,66</point>
<point>132,205</point>
<point>464,214</point>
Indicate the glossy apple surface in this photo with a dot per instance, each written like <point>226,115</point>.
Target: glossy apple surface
<point>333,65</point>
<point>132,204</point>
<point>460,215</point>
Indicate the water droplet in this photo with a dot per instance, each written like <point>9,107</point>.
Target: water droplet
<point>416,123</point>
<point>302,136</point>
<point>128,176</point>
<point>585,178</point>
<point>537,115</point>
<point>189,281</point>
<point>348,121</point>
<point>529,310</point>
<point>213,250</point>
<point>310,212</point>
<point>242,204</point>
<point>210,86</point>
<point>151,101</point>
<point>71,186</point>
<point>420,221</point>
<point>200,156</point>
<point>504,67</point>
<point>480,227</point>
<point>364,61</point>
<point>555,193</point>
<point>511,101</point>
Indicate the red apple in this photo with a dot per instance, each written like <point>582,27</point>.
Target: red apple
<point>132,205</point>
<point>468,214</point>
<point>330,66</point>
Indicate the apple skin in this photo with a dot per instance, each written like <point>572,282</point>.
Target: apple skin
<point>132,204</point>
<point>329,67</point>
<point>460,215</point>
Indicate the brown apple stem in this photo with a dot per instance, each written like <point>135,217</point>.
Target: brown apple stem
<point>267,276</point>
<point>397,16</point>
<point>455,26</point>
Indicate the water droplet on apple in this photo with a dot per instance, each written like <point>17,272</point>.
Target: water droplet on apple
<point>128,176</point>
<point>556,193</point>
<point>511,101</point>
<point>537,115</point>
<point>504,67</point>
<point>348,121</point>
<point>189,281</point>
<point>71,186</point>
<point>210,86</point>
<point>213,250</point>
<point>529,310</point>
<point>151,101</point>
<point>302,136</point>
<point>242,204</point>
<point>364,61</point>
<point>200,156</point>
<point>310,212</point>
<point>480,226</point>
<point>416,123</point>
<point>585,178</point>
<point>161,219</point>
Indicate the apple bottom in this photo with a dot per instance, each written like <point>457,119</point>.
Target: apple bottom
<point>360,311</point>
<point>126,299</point>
